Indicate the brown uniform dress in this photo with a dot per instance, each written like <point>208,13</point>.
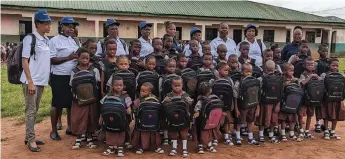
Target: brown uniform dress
<point>289,118</point>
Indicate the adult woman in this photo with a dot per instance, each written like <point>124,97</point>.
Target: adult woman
<point>195,34</point>
<point>223,38</point>
<point>170,29</point>
<point>146,43</point>
<point>35,75</point>
<point>63,59</point>
<point>256,46</point>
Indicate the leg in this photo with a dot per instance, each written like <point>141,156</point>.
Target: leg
<point>261,133</point>
<point>251,139</point>
<point>68,130</point>
<point>54,118</point>
<point>59,123</point>
<point>283,136</point>
<point>333,134</point>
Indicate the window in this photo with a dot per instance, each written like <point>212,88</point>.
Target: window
<point>268,35</point>
<point>310,36</point>
<point>178,35</point>
<point>288,34</point>
<point>211,33</point>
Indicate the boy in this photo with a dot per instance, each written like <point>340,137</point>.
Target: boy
<point>137,63</point>
<point>161,58</point>
<point>298,60</point>
<point>206,47</point>
<point>108,64</point>
<point>221,51</point>
<point>195,60</point>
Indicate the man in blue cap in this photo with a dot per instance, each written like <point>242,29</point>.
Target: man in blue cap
<point>195,34</point>
<point>112,28</point>
<point>36,75</point>
<point>146,43</point>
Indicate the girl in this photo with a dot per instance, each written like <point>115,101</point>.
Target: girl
<point>205,137</point>
<point>177,85</point>
<point>161,58</point>
<point>117,139</point>
<point>108,64</point>
<point>143,139</point>
<point>277,55</point>
<point>195,60</point>
<point>268,55</point>
<point>182,61</point>
<point>332,111</point>
<point>167,43</point>
<point>84,117</point>
<point>206,48</point>
<point>244,50</point>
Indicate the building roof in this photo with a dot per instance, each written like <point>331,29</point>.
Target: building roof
<point>201,9</point>
<point>335,18</point>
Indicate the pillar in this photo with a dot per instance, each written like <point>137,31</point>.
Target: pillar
<point>329,41</point>
<point>97,28</point>
<point>155,29</point>
<point>33,24</point>
<point>291,35</point>
<point>203,32</point>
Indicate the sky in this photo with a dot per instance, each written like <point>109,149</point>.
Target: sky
<point>319,7</point>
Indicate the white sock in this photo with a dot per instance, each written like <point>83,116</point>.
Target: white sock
<point>174,144</point>
<point>283,132</point>
<point>238,134</point>
<point>261,133</point>
<point>184,144</point>
<point>209,144</point>
<point>301,130</point>
<point>306,131</point>
<point>318,122</point>
<point>270,134</point>
<point>292,133</point>
<point>326,131</point>
<point>250,135</point>
<point>332,131</point>
<point>226,136</point>
<point>165,134</point>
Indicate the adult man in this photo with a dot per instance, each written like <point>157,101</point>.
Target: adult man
<point>294,47</point>
<point>223,38</point>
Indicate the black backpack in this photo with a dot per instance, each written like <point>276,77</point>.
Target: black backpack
<point>14,61</point>
<point>314,92</point>
<point>223,89</point>
<point>235,76</point>
<point>167,81</point>
<point>205,75</point>
<point>190,81</point>
<point>335,87</point>
<point>272,89</point>
<point>257,71</point>
<point>280,63</point>
<point>322,66</point>
<point>151,77</point>
<point>148,115</point>
<point>194,62</point>
<point>129,80</point>
<point>177,114</point>
<point>293,96</point>
<point>114,115</point>
<point>249,92</point>
<point>160,64</point>
<point>299,66</point>
<point>211,112</point>
<point>84,86</point>
<point>109,69</point>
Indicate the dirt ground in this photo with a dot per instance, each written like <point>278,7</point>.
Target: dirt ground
<point>12,147</point>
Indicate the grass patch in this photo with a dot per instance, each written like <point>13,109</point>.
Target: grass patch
<point>342,65</point>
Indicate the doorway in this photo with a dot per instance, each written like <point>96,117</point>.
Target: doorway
<point>237,35</point>
<point>25,27</point>
<point>333,41</point>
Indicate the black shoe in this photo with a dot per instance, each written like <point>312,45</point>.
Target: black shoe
<point>68,132</point>
<point>55,136</point>
<point>323,128</point>
<point>38,142</point>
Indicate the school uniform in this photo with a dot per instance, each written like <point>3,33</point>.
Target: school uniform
<point>146,47</point>
<point>62,46</point>
<point>332,111</point>
<point>84,118</point>
<point>230,45</point>
<point>188,52</point>
<point>122,48</point>
<point>255,52</point>
<point>304,109</point>
<point>242,61</point>
<point>106,67</point>
<point>288,118</point>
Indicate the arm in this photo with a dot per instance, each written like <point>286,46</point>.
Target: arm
<point>25,61</point>
<point>99,50</point>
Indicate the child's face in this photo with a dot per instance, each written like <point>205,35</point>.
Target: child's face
<point>197,36</point>
<point>247,71</point>
<point>207,60</point>
<point>244,50</point>
<point>194,47</point>
<point>233,63</point>
<point>309,65</point>
<point>277,53</point>
<point>323,52</point>
<point>207,49</point>
<point>136,47</point>
<point>151,64</point>
<point>144,91</point>
<point>92,47</point>
<point>221,53</point>
<point>268,56</point>
<point>333,67</point>
<point>118,86</point>
<point>177,86</point>
<point>84,58</point>
<point>269,70</point>
<point>224,72</point>
<point>304,48</point>
<point>111,50</point>
<point>289,71</point>
<point>123,64</point>
<point>171,67</point>
<point>183,62</point>
<point>157,45</point>
<point>168,42</point>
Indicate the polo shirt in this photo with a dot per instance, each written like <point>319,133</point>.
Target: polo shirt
<point>188,52</point>
<point>254,51</point>
<point>119,51</point>
<point>146,47</point>
<point>230,46</point>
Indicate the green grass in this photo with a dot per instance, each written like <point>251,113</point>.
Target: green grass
<point>12,100</point>
<point>342,65</point>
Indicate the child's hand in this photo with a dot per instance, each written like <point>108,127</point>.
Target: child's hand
<point>129,110</point>
<point>100,120</point>
<point>167,100</point>
<point>257,112</point>
<point>140,63</point>
<point>277,108</point>
<point>238,113</point>
<point>189,100</point>
<point>294,59</point>
<point>196,115</point>
<point>224,113</point>
<point>103,94</point>
<point>136,103</point>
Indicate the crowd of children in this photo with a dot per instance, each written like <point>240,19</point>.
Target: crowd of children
<point>170,96</point>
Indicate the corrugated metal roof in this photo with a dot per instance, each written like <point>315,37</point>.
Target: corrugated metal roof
<point>217,9</point>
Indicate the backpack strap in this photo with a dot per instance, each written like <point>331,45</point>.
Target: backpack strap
<point>124,45</point>
<point>76,40</point>
<point>260,44</point>
<point>151,98</point>
<point>33,44</point>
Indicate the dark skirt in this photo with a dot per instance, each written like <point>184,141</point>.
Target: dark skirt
<point>146,139</point>
<point>174,135</point>
<point>84,118</point>
<point>61,91</point>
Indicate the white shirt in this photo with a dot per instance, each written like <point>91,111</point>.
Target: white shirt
<point>188,52</point>
<point>39,64</point>
<point>119,51</point>
<point>254,51</point>
<point>230,45</point>
<point>61,46</point>
<point>146,47</point>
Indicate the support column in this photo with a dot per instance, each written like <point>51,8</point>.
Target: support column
<point>97,28</point>
<point>33,24</point>
<point>329,41</point>
<point>291,35</point>
<point>155,29</point>
<point>203,32</point>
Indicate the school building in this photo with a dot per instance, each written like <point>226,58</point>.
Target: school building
<point>275,24</point>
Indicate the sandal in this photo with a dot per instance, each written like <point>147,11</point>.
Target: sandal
<point>276,131</point>
<point>215,142</point>
<point>120,152</point>
<point>212,149</point>
<point>58,126</point>
<point>83,137</point>
<point>159,150</point>
<point>38,142</point>
<point>262,139</point>
<point>334,136</point>
<point>317,128</point>
<point>244,131</point>
<point>77,144</point>
<point>309,135</point>
<point>139,151</point>
<point>108,151</point>
<point>173,152</point>
<point>228,142</point>
<point>200,149</point>
<point>184,153</point>
<point>274,140</point>
<point>294,138</point>
<point>166,142</point>
<point>91,144</point>
<point>128,145</point>
<point>253,142</point>
<point>326,136</point>
<point>284,138</point>
<point>238,142</point>
<point>33,149</point>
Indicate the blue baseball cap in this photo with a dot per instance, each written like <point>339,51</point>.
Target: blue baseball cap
<point>68,20</point>
<point>144,24</point>
<point>111,22</point>
<point>42,15</point>
<point>194,29</point>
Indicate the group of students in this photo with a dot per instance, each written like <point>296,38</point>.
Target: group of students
<point>171,96</point>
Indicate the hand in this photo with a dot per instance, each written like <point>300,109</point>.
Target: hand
<point>73,56</point>
<point>277,108</point>
<point>224,113</point>
<point>167,99</point>
<point>294,59</point>
<point>129,110</point>
<point>257,111</point>
<point>140,63</point>
<point>31,88</point>
<point>237,113</point>
<point>103,94</point>
<point>100,121</point>
<point>196,115</point>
